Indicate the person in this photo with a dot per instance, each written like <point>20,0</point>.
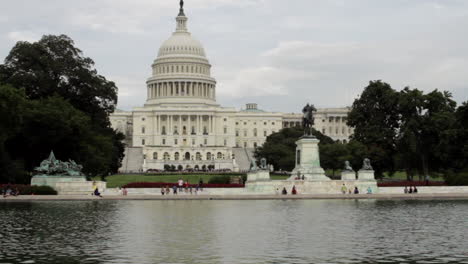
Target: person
<point>410,189</point>
<point>277,191</point>
<point>190,189</point>
<point>284,192</point>
<point>415,190</point>
<point>293,191</point>
<point>174,190</point>
<point>97,193</point>
<point>186,185</point>
<point>303,177</point>
<point>356,190</point>
<point>7,191</point>
<point>406,189</point>
<point>369,190</point>
<point>350,191</point>
<point>94,188</point>
<point>200,184</point>
<point>168,190</point>
<point>180,182</point>
<point>344,189</point>
<point>162,190</point>
<point>124,191</point>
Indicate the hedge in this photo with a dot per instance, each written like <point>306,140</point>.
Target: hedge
<point>29,189</point>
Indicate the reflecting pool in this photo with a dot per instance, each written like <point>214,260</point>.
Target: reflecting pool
<point>275,231</point>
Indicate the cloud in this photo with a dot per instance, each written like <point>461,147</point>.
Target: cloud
<point>16,36</point>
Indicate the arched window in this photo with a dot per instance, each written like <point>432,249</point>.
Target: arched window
<point>176,156</point>
<point>155,155</point>
<point>219,155</point>
<point>187,156</point>
<point>167,156</point>
<point>208,156</point>
<point>198,156</point>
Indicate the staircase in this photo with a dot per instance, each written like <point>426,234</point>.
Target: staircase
<point>243,158</point>
<point>133,160</point>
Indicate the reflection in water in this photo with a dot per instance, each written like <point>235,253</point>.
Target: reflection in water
<point>279,231</point>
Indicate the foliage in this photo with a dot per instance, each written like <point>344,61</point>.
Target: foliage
<point>374,116</point>
<point>333,156</point>
<point>53,99</point>
<point>460,178</point>
<point>30,189</point>
<point>220,180</point>
<point>410,183</point>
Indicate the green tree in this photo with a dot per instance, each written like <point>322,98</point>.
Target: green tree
<point>424,118</point>
<point>333,156</point>
<point>53,65</point>
<point>375,119</point>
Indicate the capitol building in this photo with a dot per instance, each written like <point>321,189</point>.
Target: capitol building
<point>181,124</point>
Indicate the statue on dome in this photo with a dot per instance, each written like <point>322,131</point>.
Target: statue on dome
<point>308,119</point>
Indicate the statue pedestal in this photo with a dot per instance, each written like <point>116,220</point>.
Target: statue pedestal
<point>308,160</point>
<point>48,180</point>
<point>366,175</point>
<point>348,176</point>
<point>260,175</point>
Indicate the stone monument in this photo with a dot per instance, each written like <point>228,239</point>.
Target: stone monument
<point>367,172</point>
<point>52,171</point>
<point>348,174</point>
<point>307,151</point>
<point>65,177</point>
<point>261,173</point>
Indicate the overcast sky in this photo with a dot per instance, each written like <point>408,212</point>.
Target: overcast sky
<point>278,53</point>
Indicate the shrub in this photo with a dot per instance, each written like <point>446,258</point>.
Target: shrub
<point>220,180</point>
<point>409,183</point>
<point>457,179</point>
<point>30,190</point>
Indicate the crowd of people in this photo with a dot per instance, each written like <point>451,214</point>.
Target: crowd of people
<point>182,187</point>
<point>355,190</point>
<point>411,189</point>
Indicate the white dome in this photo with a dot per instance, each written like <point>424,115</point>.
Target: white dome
<point>181,43</point>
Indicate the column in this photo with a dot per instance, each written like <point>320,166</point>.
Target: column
<point>180,125</point>
<point>189,128</point>
<point>169,129</point>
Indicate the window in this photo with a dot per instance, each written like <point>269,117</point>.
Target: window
<point>273,123</point>
<point>143,142</point>
<point>143,119</point>
<point>155,155</point>
<point>176,156</point>
<point>237,123</point>
<point>164,141</point>
<point>193,142</point>
<point>208,156</point>
<point>187,156</point>
<point>245,123</point>
<point>225,119</point>
<point>143,130</point>
<point>205,141</point>
<point>265,133</point>
<point>255,144</point>
<point>323,131</point>
<point>245,144</point>
<point>237,133</point>
<point>163,132</point>
<point>175,131</point>
<point>245,133</point>
<point>255,132</point>
<point>225,130</point>
<point>193,130</point>
<point>175,141</point>
<point>265,123</point>
<point>219,155</point>
<point>198,156</point>
<point>225,142</point>
<point>184,130</point>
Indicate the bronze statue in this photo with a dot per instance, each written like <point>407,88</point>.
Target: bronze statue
<point>52,166</point>
<point>308,119</point>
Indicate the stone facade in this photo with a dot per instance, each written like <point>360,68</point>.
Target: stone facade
<point>182,125</point>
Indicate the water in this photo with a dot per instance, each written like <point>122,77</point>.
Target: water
<point>303,231</point>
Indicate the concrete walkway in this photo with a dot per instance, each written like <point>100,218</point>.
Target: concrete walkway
<point>448,196</point>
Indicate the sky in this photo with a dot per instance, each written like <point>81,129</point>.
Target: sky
<point>280,54</point>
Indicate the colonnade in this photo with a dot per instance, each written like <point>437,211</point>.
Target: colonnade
<point>181,89</point>
<point>185,124</point>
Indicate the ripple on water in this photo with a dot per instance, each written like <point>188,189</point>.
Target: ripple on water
<point>309,231</point>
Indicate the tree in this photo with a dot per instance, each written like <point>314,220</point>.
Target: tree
<point>280,148</point>
<point>375,119</point>
<point>333,156</point>
<point>424,118</point>
<point>53,65</point>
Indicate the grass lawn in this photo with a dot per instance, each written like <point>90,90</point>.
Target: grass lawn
<point>114,181</point>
